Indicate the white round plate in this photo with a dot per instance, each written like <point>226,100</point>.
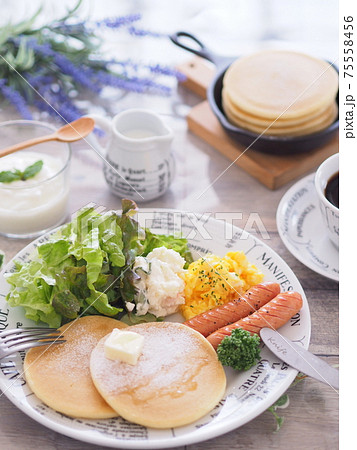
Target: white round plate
<point>301,228</point>
<point>248,393</point>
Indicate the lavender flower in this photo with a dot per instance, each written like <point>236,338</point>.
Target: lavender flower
<point>165,70</point>
<point>37,80</point>
<point>16,99</point>
<point>141,33</point>
<point>65,112</point>
<point>116,22</point>
<point>134,84</point>
<point>44,49</point>
<point>58,105</point>
<point>80,74</point>
<point>128,63</point>
<point>64,56</point>
<point>55,101</point>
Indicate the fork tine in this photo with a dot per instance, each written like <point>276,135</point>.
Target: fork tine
<point>22,336</point>
<point>37,328</point>
<point>19,347</point>
<point>12,342</point>
<point>26,330</point>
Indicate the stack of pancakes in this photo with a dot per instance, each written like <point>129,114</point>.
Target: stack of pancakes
<point>280,93</point>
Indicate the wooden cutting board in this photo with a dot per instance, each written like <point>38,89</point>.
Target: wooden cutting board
<point>272,170</point>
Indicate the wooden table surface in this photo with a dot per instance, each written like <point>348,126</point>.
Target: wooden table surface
<point>311,419</point>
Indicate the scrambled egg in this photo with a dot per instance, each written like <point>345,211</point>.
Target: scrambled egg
<point>213,281</point>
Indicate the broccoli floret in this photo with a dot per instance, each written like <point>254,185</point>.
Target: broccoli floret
<point>240,350</point>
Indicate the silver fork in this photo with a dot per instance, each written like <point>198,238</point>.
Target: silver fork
<point>12,341</point>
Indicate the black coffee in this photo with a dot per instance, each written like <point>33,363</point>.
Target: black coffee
<point>332,190</point>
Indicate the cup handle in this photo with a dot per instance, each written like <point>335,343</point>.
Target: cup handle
<point>106,125</point>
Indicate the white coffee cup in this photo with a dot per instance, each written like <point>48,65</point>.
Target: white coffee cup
<point>330,212</point>
<point>138,160</point>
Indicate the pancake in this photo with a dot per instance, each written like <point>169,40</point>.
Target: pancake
<point>299,130</point>
<point>281,122</point>
<point>177,378</point>
<point>59,375</point>
<point>273,82</point>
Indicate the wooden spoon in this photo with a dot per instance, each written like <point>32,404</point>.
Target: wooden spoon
<point>71,132</point>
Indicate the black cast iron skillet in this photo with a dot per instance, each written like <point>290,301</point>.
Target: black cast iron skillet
<point>264,143</point>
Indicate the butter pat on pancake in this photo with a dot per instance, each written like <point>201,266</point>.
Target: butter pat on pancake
<point>124,346</point>
<point>177,378</point>
<point>59,375</point>
<point>275,82</point>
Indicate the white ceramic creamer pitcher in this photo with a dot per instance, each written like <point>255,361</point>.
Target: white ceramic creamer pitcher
<point>139,163</point>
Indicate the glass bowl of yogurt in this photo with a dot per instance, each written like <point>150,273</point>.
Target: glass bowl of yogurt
<point>33,204</point>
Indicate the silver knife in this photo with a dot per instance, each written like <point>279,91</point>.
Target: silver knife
<point>299,358</point>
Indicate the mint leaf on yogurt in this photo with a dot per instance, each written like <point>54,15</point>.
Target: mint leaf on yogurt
<point>8,176</point>
<point>32,170</point>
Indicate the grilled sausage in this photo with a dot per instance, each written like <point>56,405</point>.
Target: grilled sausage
<point>273,315</point>
<point>257,296</point>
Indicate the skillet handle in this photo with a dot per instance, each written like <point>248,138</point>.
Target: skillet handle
<point>202,51</point>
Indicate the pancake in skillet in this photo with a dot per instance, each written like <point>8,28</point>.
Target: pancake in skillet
<point>264,122</point>
<point>279,127</point>
<point>59,375</point>
<point>177,378</point>
<point>314,126</point>
<point>275,82</point>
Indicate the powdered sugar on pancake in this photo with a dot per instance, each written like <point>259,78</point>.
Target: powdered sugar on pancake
<point>166,360</point>
<point>176,380</point>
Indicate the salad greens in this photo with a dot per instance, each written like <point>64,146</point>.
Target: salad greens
<point>86,267</point>
<point>160,240</point>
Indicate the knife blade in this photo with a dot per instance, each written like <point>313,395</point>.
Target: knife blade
<point>299,358</point>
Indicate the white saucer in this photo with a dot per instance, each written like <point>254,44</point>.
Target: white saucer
<point>301,228</point>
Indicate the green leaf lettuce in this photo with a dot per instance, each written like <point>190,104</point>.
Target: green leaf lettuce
<point>86,267</point>
<point>60,282</point>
